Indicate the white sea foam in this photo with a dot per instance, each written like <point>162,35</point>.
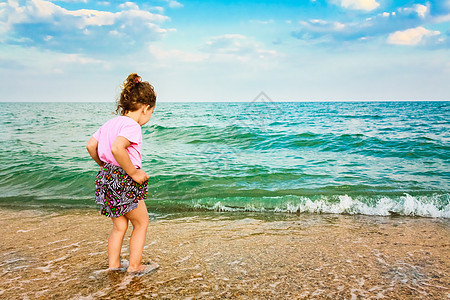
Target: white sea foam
<point>406,205</point>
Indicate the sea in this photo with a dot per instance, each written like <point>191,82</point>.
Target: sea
<point>353,158</point>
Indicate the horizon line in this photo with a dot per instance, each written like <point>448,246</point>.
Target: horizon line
<point>233,101</point>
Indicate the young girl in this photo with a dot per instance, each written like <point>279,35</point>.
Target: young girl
<point>121,184</point>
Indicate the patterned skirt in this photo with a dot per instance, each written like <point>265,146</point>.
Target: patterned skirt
<point>117,192</point>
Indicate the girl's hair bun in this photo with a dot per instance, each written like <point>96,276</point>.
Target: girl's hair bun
<point>132,80</point>
<point>135,92</point>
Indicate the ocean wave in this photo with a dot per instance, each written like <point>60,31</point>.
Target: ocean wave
<point>243,136</point>
<point>352,158</point>
<point>406,205</point>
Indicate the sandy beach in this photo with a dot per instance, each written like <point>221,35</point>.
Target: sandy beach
<point>62,255</point>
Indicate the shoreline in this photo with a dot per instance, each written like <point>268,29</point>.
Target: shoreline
<point>207,255</point>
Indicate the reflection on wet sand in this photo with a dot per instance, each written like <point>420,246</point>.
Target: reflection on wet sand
<point>212,255</point>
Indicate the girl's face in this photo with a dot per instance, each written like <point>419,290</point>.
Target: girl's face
<point>146,114</point>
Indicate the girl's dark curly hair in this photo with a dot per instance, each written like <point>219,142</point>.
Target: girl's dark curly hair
<point>134,93</point>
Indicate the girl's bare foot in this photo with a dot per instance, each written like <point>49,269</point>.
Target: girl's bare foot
<point>143,269</point>
<point>123,266</point>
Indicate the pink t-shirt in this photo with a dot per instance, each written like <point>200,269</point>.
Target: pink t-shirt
<point>119,126</point>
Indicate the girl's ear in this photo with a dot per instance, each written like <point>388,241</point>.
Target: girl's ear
<point>149,108</point>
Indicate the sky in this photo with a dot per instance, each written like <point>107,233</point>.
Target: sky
<point>310,50</point>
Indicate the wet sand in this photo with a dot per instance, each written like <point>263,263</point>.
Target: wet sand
<point>62,255</point>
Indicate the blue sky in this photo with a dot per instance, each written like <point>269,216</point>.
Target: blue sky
<point>75,50</point>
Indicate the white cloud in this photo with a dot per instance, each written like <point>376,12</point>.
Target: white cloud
<point>37,61</point>
<point>79,59</point>
<point>164,55</point>
<point>73,1</point>
<point>376,25</point>
<point>47,12</point>
<point>366,5</point>
<point>420,10</point>
<point>157,8</point>
<point>411,37</point>
<point>91,17</point>
<point>323,26</point>
<point>316,21</point>
<point>129,5</point>
<point>237,46</point>
<point>174,4</point>
<point>227,43</point>
<point>77,28</point>
<point>441,19</point>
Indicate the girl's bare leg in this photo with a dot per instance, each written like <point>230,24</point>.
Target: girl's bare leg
<point>139,220</point>
<point>115,240</point>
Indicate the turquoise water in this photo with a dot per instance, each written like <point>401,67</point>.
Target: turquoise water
<point>374,158</point>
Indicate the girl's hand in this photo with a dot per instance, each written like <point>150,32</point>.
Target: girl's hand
<point>139,176</point>
<point>92,148</point>
<point>119,151</point>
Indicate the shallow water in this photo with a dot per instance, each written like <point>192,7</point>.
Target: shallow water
<point>62,255</point>
<point>372,158</point>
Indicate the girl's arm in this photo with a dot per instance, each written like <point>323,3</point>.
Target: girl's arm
<point>92,147</point>
<point>119,151</point>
